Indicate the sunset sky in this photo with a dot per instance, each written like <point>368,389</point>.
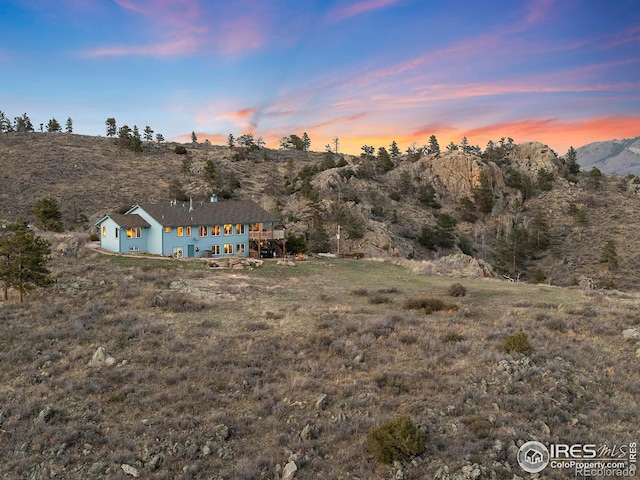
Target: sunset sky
<point>563,72</point>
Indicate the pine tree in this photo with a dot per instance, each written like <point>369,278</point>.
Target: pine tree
<point>53,126</point>
<point>69,125</point>
<point>48,214</point>
<point>194,138</point>
<point>394,151</point>
<point>306,141</point>
<point>511,251</point>
<point>483,193</point>
<point>111,127</point>
<point>434,147</point>
<point>148,134</point>
<point>23,259</point>
<point>571,166</point>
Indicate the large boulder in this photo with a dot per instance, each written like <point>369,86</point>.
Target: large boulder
<point>457,173</point>
<point>530,157</point>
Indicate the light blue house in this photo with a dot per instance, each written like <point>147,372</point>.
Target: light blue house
<point>207,229</point>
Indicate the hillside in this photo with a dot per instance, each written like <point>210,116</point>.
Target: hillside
<point>619,157</point>
<point>168,369</point>
<point>383,210</point>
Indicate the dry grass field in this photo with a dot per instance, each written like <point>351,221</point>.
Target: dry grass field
<point>231,374</point>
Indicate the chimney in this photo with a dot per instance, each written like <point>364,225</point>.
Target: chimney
<point>214,198</point>
<point>191,204</point>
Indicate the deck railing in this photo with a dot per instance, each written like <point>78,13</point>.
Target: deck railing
<point>267,234</point>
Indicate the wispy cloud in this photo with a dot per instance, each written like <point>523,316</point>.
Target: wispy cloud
<point>341,13</point>
<point>190,27</point>
<point>165,49</point>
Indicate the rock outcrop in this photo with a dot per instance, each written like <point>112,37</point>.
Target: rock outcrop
<point>457,173</point>
<point>530,157</point>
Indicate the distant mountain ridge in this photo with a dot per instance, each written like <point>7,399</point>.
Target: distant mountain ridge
<point>617,157</point>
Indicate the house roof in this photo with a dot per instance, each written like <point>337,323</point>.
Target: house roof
<point>208,213</point>
<point>133,220</point>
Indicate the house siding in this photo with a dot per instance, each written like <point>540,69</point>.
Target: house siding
<point>110,241</point>
<point>154,241</point>
<point>134,245</point>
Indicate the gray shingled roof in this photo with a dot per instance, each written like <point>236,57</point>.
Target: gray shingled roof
<point>208,213</point>
<point>132,220</point>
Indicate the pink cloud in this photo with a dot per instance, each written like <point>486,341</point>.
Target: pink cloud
<point>539,11</point>
<point>177,27</point>
<point>165,49</point>
<point>342,13</point>
<point>239,35</point>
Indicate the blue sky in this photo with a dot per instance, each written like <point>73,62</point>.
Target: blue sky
<point>563,72</point>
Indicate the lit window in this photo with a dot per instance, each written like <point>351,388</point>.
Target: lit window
<point>215,230</point>
<point>180,231</point>
<point>239,228</point>
<point>228,229</point>
<point>203,231</point>
<point>215,250</point>
<point>104,231</point>
<point>240,248</point>
<point>188,231</point>
<point>254,227</point>
<point>167,229</point>
<point>228,248</point>
<point>134,232</point>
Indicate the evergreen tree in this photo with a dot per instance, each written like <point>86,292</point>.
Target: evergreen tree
<point>384,160</point>
<point>434,147</point>
<point>135,141</point>
<point>394,151</point>
<point>194,138</point>
<point>539,234</point>
<point>231,141</point>
<point>53,126</point>
<point>148,134</point>
<point>23,124</point>
<point>23,259</point>
<point>452,147</point>
<point>306,141</point>
<point>111,127</point>
<point>483,193</point>
<point>512,250</point>
<point>48,215</point>
<point>464,145</point>
<point>69,125</point>
<point>571,166</point>
<point>159,137</point>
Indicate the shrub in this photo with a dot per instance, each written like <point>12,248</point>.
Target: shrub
<point>539,276</point>
<point>94,237</point>
<point>359,292</point>
<point>396,440</point>
<point>378,298</point>
<point>456,290</point>
<point>180,150</point>
<point>453,337</point>
<point>518,342</point>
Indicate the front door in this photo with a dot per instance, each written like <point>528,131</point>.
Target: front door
<point>190,251</point>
